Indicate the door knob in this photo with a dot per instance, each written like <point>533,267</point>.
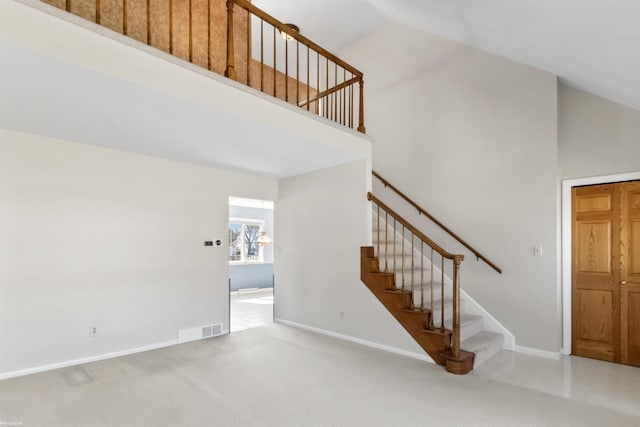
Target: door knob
<point>624,282</point>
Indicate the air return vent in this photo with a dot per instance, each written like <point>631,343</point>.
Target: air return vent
<point>199,332</point>
<point>211,330</point>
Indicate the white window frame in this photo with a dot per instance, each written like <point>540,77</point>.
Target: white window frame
<point>245,222</point>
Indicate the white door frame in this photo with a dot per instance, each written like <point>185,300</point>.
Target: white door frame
<point>566,243</point>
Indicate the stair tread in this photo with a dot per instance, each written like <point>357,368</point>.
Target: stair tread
<point>415,311</point>
<point>396,291</point>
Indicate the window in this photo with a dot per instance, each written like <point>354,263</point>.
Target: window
<point>243,240</point>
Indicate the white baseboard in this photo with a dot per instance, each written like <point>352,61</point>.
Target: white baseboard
<point>556,355</point>
<point>89,359</point>
<point>423,357</point>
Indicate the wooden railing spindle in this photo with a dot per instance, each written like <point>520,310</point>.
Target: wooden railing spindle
<point>261,55</point>
<point>361,108</point>
<point>297,72</point>
<point>286,70</point>
<point>395,261</point>
<point>275,46</point>
<point>249,24</point>
<point>148,22</point>
<point>170,27</point>
<point>230,71</point>
<point>124,17</point>
<point>386,241</point>
<point>456,308</point>
<point>317,82</point>
<point>344,98</point>
<point>209,35</point>
<point>403,258</point>
<point>335,101</point>
<point>378,230</point>
<point>326,86</point>
<point>351,106</point>
<point>421,275</point>
<point>442,294</point>
<point>431,287</point>
<point>190,32</point>
<point>412,267</point>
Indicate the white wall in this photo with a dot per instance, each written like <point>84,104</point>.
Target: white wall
<point>92,236</point>
<point>473,138</point>
<point>322,219</point>
<point>596,136</point>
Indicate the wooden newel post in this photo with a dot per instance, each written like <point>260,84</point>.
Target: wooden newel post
<point>361,109</point>
<point>230,71</point>
<point>456,307</point>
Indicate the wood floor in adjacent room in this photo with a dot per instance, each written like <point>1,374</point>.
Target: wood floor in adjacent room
<point>281,376</point>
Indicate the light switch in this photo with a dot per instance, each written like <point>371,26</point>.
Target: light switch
<point>537,250</point>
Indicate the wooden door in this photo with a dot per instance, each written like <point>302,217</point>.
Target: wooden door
<point>595,295</point>
<point>630,272</point>
<point>606,272</point>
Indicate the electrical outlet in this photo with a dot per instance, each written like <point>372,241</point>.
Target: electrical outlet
<point>537,250</point>
<point>93,331</point>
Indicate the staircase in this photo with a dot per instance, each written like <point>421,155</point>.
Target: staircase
<point>417,281</point>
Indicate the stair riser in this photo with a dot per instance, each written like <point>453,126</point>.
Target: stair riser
<point>484,344</point>
<point>467,329</point>
<point>486,353</point>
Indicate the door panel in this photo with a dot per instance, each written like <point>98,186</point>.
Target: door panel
<point>634,248</point>
<point>633,332</point>
<point>630,272</point>
<point>594,239</point>
<point>595,291</point>
<point>594,203</point>
<point>596,308</point>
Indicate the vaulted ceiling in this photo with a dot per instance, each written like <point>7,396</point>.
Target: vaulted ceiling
<point>591,45</point>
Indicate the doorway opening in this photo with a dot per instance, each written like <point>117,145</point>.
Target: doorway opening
<point>251,260</point>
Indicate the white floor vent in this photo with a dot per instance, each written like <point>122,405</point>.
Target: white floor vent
<point>199,332</point>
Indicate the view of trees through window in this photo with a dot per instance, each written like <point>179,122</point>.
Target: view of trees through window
<point>243,241</point>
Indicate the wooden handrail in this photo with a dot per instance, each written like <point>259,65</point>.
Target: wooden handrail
<point>330,91</point>
<point>414,230</point>
<point>438,223</point>
<point>296,35</point>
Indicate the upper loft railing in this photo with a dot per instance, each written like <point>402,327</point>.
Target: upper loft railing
<point>438,223</point>
<point>322,82</point>
<point>236,39</point>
